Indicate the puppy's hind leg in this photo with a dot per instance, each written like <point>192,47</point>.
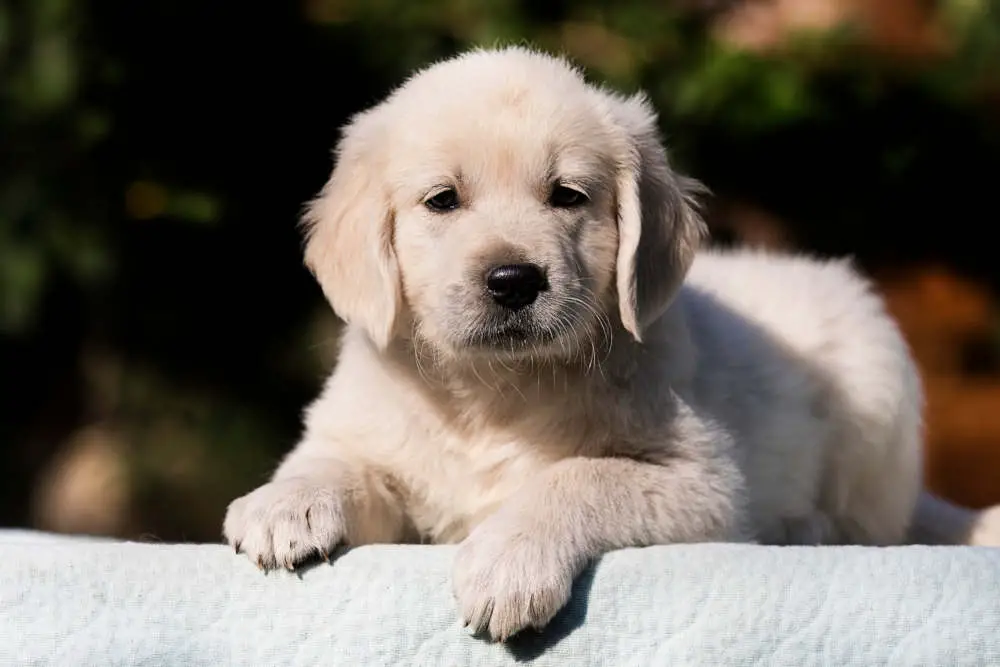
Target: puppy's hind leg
<point>937,521</point>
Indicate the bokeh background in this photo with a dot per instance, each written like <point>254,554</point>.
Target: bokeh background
<point>159,336</point>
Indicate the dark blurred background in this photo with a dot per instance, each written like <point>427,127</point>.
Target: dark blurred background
<point>159,336</point>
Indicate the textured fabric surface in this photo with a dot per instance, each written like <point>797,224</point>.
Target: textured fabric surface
<point>79,602</point>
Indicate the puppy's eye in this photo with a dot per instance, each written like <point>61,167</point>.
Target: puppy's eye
<point>446,200</point>
<point>565,197</point>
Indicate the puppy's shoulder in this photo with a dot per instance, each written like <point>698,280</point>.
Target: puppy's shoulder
<point>360,395</point>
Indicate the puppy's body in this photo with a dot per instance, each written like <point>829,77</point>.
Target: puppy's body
<point>784,373</point>
<point>538,366</point>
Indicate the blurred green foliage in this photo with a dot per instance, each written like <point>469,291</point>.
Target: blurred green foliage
<point>155,156</point>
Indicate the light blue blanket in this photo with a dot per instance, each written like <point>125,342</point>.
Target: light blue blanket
<point>70,602</point>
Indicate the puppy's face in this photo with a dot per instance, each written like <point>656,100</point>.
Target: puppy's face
<point>505,228</point>
<point>496,204</point>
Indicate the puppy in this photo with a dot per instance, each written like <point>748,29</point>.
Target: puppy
<point>540,366</point>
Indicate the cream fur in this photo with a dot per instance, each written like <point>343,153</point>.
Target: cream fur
<point>650,395</point>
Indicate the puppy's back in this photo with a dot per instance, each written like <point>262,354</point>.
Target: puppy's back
<point>823,320</point>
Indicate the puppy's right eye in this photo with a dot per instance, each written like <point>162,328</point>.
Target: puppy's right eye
<point>564,197</point>
<point>446,200</point>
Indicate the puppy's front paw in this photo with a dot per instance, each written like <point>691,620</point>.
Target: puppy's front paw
<point>286,523</point>
<point>507,581</point>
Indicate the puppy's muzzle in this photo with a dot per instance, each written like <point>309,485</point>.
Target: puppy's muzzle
<point>515,286</point>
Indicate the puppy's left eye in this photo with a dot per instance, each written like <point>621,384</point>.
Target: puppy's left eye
<point>566,197</point>
<point>443,201</point>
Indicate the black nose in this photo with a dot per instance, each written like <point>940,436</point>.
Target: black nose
<point>515,286</point>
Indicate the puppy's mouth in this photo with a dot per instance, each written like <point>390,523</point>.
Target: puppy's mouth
<point>510,333</point>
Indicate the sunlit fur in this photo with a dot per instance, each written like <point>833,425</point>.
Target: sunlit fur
<point>653,394</point>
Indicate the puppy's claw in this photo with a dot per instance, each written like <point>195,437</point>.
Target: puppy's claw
<point>325,555</point>
<point>260,562</point>
<point>236,546</point>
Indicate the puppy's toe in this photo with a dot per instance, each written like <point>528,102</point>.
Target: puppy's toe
<point>247,535</point>
<point>291,539</point>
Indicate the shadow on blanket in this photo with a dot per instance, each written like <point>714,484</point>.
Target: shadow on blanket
<point>529,645</point>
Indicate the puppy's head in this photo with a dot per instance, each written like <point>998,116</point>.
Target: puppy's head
<point>498,204</point>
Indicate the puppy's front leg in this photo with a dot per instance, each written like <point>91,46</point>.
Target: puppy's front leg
<point>516,569</point>
<point>313,504</point>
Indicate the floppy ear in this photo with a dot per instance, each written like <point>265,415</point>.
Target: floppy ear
<point>659,228</point>
<point>348,229</point>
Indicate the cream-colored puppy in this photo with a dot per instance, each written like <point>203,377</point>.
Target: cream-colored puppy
<point>537,364</point>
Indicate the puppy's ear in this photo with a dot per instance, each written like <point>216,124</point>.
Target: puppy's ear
<point>348,230</point>
<point>659,228</point>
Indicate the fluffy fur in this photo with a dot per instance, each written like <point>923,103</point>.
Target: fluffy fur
<point>650,394</point>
